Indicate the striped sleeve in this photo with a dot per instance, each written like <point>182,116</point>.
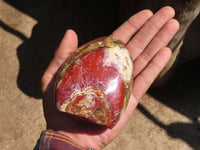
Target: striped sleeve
<point>52,140</point>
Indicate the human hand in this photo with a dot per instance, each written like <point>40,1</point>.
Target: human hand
<point>146,36</point>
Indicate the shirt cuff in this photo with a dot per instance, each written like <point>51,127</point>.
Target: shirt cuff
<point>52,140</point>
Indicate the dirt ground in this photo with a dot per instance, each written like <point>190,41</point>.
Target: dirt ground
<point>167,118</point>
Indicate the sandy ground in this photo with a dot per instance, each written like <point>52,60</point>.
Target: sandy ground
<point>167,118</point>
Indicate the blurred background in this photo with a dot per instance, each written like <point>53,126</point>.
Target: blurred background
<point>168,116</point>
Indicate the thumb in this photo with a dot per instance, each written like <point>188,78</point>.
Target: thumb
<point>67,46</point>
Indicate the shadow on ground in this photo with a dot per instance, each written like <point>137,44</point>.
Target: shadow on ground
<point>182,91</point>
<point>182,94</point>
<point>91,19</point>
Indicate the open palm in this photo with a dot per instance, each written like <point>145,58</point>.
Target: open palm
<point>146,36</point>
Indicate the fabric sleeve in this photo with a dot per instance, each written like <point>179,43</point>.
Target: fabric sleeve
<point>52,140</point>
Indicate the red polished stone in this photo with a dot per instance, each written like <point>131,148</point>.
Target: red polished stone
<point>91,83</point>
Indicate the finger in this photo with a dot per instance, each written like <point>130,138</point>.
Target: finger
<point>143,81</point>
<point>132,25</point>
<point>159,41</point>
<point>139,42</point>
<point>67,46</point>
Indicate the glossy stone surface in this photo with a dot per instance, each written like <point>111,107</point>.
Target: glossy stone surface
<point>95,81</point>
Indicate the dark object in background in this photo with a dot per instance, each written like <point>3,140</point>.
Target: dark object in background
<point>186,13</point>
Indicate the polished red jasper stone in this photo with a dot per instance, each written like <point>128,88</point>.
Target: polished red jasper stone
<point>90,84</point>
